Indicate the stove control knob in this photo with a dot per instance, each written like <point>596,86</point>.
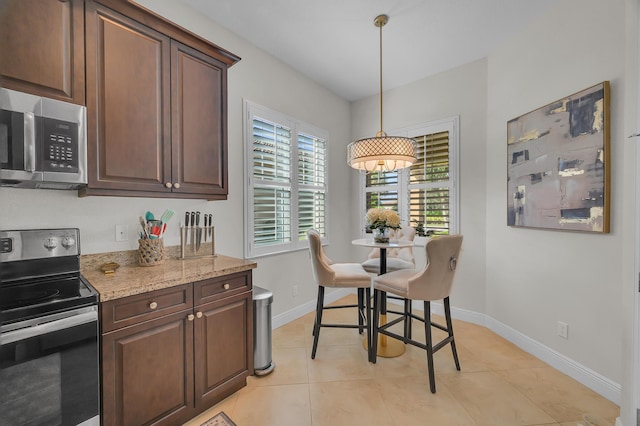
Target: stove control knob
<point>68,242</point>
<point>50,243</point>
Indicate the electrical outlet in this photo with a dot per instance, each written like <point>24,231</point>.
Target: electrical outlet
<point>122,232</point>
<point>295,291</point>
<point>563,330</point>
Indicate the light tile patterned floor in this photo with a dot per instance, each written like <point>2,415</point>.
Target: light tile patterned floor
<point>499,384</point>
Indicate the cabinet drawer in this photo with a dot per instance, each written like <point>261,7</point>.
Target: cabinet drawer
<point>219,287</point>
<point>142,307</point>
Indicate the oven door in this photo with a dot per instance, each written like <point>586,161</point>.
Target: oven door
<point>49,372</point>
<point>18,140</point>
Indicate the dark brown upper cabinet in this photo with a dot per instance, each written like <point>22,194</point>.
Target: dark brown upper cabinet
<point>156,107</point>
<point>43,48</point>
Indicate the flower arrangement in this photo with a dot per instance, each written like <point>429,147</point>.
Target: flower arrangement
<point>379,218</point>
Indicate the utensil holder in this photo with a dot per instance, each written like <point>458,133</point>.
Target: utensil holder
<point>197,241</point>
<point>150,252</point>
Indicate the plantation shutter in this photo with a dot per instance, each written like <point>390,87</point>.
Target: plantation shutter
<point>272,183</point>
<point>312,165</point>
<point>429,183</point>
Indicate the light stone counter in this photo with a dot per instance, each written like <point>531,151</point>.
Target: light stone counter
<point>132,279</point>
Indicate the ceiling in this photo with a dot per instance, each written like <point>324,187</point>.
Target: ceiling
<point>335,42</point>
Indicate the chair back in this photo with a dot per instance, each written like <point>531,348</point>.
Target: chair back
<point>404,253</point>
<point>322,272</point>
<point>436,279</point>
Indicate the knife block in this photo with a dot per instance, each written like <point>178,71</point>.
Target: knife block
<point>197,241</point>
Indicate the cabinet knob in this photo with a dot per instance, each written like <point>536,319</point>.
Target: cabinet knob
<point>176,185</point>
<point>167,185</point>
<point>199,314</point>
<point>190,317</point>
<point>226,286</point>
<point>153,305</point>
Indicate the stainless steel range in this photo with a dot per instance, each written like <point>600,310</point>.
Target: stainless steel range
<point>49,371</point>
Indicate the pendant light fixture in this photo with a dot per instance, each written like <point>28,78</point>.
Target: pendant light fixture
<point>381,152</point>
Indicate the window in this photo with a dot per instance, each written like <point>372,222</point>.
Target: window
<point>286,168</point>
<point>426,192</point>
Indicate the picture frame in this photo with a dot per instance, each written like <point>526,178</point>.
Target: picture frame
<point>558,164</point>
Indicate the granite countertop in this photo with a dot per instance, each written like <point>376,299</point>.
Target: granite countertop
<point>132,279</point>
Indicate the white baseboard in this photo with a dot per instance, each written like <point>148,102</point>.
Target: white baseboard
<point>310,306</point>
<point>591,379</point>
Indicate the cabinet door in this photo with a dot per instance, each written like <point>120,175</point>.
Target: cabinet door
<point>199,139</point>
<point>43,48</point>
<point>223,347</point>
<point>147,372</point>
<point>128,105</point>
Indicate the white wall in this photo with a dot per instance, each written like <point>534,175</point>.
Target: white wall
<point>259,78</point>
<point>538,277</point>
<point>458,92</point>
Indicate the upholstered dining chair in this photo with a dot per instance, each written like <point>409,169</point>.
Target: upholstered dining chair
<point>397,258</point>
<point>433,282</point>
<point>341,275</point>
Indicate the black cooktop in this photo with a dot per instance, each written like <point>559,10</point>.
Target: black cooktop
<point>44,296</point>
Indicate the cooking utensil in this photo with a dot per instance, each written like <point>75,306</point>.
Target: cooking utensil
<point>206,230</point>
<point>144,226</point>
<point>198,231</point>
<point>210,225</point>
<point>193,231</point>
<point>149,216</point>
<point>167,215</point>
<point>186,225</point>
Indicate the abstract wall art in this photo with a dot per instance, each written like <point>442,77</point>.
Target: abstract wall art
<point>558,164</point>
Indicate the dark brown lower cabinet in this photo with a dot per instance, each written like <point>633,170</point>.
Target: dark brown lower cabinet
<point>224,352</point>
<point>167,356</point>
<point>148,372</point>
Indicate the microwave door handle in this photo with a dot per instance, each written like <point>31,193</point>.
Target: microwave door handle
<point>29,142</point>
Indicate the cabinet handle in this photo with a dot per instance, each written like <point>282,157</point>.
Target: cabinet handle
<point>226,286</point>
<point>176,185</point>
<point>153,305</point>
<point>167,185</point>
<point>199,314</point>
<point>190,317</point>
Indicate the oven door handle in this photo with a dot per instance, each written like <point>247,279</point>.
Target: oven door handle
<point>48,327</point>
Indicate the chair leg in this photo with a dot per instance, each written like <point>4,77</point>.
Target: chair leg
<point>407,320</point>
<point>429,344</point>
<point>368,320</point>
<point>373,349</point>
<point>318,322</point>
<point>361,314</point>
<point>447,314</point>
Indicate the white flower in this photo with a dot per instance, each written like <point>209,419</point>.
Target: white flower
<point>382,218</point>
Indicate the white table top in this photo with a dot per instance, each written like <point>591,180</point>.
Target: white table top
<point>368,242</point>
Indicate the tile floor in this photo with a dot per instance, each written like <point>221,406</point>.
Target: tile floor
<point>499,384</point>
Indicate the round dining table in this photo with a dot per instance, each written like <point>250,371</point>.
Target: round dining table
<point>387,348</point>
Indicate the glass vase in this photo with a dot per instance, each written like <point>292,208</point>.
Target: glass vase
<point>381,235</point>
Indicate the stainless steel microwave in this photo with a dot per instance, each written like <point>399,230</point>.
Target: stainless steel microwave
<point>43,142</point>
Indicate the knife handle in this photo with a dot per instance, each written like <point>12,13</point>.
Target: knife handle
<point>193,218</point>
<point>186,219</point>
<point>197,218</point>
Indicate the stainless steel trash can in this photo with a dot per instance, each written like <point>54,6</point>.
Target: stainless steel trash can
<point>262,362</point>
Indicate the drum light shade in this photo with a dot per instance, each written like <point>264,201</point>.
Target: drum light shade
<point>382,152</point>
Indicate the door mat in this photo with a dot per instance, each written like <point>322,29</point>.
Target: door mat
<point>219,419</point>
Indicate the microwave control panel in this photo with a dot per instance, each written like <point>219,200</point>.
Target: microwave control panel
<point>60,150</point>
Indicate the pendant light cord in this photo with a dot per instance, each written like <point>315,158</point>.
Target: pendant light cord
<point>381,132</point>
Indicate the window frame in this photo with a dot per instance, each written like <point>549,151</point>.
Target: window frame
<point>252,110</point>
<point>450,125</point>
